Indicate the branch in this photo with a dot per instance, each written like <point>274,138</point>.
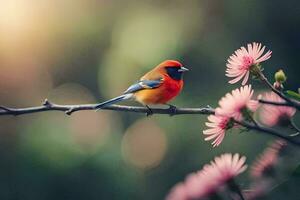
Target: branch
<point>290,102</point>
<point>275,103</point>
<point>69,109</point>
<point>268,131</point>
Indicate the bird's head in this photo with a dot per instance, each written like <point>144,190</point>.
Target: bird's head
<point>173,69</point>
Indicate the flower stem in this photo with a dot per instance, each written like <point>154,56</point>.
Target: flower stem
<point>235,188</point>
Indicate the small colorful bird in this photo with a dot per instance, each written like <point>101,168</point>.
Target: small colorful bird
<point>158,86</point>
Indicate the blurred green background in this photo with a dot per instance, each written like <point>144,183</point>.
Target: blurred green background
<point>86,51</point>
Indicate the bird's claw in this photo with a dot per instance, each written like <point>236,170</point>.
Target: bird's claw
<point>149,111</point>
<point>173,110</point>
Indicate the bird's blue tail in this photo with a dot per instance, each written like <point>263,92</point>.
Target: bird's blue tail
<point>113,100</point>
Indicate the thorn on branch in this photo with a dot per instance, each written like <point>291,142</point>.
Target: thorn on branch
<point>70,111</point>
<point>47,103</point>
<point>208,107</point>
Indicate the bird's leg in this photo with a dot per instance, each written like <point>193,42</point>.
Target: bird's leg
<point>149,112</point>
<point>173,109</point>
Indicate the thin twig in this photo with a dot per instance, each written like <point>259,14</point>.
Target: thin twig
<point>275,103</point>
<point>268,131</point>
<point>69,109</point>
<point>289,101</point>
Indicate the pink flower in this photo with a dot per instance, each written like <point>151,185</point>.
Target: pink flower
<point>272,115</point>
<point>233,105</point>
<point>237,103</point>
<point>196,186</point>
<point>217,128</point>
<point>266,162</point>
<point>278,145</point>
<point>240,63</point>
<point>228,166</point>
<point>210,179</point>
<point>199,185</point>
<point>178,192</point>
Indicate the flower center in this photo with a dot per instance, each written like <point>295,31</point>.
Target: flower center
<point>223,124</point>
<point>247,62</point>
<point>226,124</point>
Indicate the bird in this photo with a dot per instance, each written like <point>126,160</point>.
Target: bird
<point>158,86</point>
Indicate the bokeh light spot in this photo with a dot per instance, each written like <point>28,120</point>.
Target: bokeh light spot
<point>144,144</point>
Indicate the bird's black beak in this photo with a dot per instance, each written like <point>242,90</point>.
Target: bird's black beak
<point>183,69</point>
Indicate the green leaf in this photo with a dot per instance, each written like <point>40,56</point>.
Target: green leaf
<point>293,94</point>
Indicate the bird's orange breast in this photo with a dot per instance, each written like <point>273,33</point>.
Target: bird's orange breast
<point>165,92</point>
